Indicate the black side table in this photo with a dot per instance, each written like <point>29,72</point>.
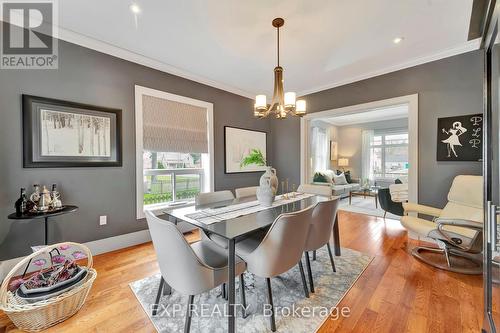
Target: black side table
<point>66,209</point>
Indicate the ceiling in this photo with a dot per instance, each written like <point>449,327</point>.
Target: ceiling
<point>382,114</point>
<point>232,45</point>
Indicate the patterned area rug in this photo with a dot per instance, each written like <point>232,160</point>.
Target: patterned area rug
<point>294,312</point>
<point>365,206</point>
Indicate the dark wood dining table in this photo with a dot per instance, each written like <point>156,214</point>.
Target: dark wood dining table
<point>235,229</point>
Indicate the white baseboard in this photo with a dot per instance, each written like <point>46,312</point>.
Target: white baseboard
<point>96,247</point>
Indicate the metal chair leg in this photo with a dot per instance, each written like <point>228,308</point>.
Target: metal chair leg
<point>303,277</point>
<point>167,289</point>
<point>385,213</point>
<point>187,323</point>
<point>331,257</point>
<point>314,255</point>
<point>224,291</point>
<point>309,272</point>
<point>270,299</point>
<point>243,298</point>
<point>158,296</point>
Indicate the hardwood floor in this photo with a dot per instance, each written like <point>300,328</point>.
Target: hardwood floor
<point>396,293</point>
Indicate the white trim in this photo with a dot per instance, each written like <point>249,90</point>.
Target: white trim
<point>96,247</point>
<point>139,92</point>
<point>410,100</point>
<point>467,46</point>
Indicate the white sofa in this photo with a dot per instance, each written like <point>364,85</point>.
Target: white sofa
<point>341,190</point>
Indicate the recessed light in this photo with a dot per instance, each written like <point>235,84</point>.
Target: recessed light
<point>397,40</point>
<point>134,8</point>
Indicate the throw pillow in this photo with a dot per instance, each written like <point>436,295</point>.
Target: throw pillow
<point>347,175</point>
<point>319,178</point>
<point>340,180</point>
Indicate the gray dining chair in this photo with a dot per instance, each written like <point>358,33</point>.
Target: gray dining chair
<point>189,269</point>
<point>269,254</point>
<point>244,192</point>
<point>323,218</point>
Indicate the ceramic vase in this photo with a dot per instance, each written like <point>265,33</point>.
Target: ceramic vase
<point>270,175</point>
<point>265,193</point>
<point>268,187</point>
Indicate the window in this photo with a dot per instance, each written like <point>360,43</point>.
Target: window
<point>170,176</point>
<point>174,143</point>
<point>319,149</point>
<point>389,154</point>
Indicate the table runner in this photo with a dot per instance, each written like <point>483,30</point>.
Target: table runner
<point>219,214</point>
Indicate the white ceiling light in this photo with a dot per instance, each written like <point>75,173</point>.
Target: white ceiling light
<point>397,40</point>
<point>134,8</point>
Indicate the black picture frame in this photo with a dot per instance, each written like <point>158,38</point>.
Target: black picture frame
<point>225,149</point>
<point>460,138</point>
<point>32,108</point>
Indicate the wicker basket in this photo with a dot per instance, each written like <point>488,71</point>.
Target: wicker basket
<point>35,317</point>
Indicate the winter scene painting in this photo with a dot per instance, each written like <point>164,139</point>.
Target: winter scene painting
<point>74,134</point>
<point>245,150</point>
<point>460,138</point>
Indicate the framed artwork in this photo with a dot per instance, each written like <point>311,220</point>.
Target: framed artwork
<point>244,150</point>
<point>60,134</point>
<point>460,138</point>
<point>333,151</point>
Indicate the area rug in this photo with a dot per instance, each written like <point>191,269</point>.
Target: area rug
<point>294,312</point>
<point>365,206</point>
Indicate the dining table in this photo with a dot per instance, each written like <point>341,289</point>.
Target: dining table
<point>236,219</point>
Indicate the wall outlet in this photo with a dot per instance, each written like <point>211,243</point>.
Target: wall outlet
<point>103,220</point>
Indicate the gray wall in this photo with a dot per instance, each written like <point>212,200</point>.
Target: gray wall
<point>350,141</point>
<point>447,87</point>
<point>87,76</point>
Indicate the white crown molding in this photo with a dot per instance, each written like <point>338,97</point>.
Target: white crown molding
<point>103,47</point>
<point>468,46</point>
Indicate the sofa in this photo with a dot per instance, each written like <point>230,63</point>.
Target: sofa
<point>341,190</point>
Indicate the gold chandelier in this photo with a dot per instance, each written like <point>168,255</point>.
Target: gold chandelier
<point>282,103</point>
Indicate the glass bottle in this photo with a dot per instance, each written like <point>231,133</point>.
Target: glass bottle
<point>21,203</point>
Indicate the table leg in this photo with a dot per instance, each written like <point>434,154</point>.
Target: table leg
<point>350,197</point>
<point>46,235</point>
<point>376,203</point>
<point>231,286</point>
<point>336,235</point>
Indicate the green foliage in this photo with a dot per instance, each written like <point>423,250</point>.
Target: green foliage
<point>255,157</point>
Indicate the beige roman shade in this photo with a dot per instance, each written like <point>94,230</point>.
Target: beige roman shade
<point>170,126</point>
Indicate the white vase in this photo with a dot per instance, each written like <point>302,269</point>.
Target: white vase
<point>265,193</point>
<point>270,175</point>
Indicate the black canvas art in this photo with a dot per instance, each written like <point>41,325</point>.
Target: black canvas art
<point>460,138</point>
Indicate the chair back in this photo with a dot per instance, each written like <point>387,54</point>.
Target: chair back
<point>283,245</point>
<point>321,227</point>
<point>323,190</point>
<point>465,199</point>
<point>244,192</point>
<point>179,265</point>
<point>211,197</point>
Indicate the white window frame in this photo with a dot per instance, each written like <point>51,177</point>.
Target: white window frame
<point>207,173</point>
<point>383,146</point>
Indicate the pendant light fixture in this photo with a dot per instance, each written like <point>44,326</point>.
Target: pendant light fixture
<point>282,103</point>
